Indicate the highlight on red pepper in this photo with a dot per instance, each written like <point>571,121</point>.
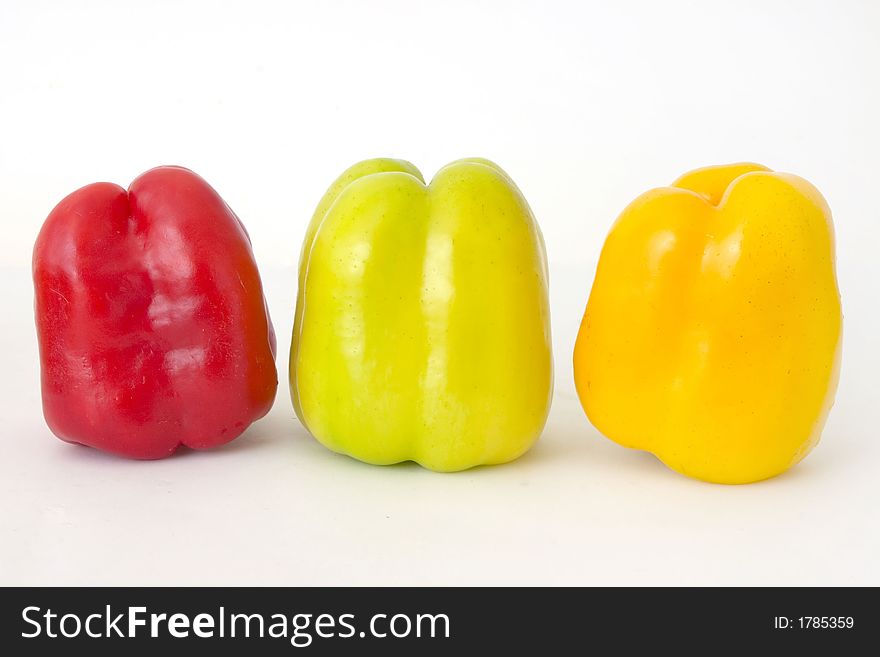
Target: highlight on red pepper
<point>152,325</point>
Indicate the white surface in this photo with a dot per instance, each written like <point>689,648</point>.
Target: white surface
<point>586,106</point>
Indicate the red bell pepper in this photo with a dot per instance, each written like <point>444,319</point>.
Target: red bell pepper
<point>152,325</point>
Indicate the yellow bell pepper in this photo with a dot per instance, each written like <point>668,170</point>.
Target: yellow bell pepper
<point>422,324</point>
<point>712,335</point>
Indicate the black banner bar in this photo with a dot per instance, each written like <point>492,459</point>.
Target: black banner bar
<point>432,621</point>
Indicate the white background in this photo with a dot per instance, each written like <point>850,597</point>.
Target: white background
<point>586,105</point>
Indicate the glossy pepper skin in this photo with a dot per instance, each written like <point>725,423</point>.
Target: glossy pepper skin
<point>422,324</point>
<point>712,336</point>
<point>152,327</point>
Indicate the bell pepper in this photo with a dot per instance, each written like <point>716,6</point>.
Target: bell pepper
<point>712,334</point>
<point>152,327</point>
<point>422,324</point>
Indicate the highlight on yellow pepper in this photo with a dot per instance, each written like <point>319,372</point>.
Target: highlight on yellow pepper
<point>422,327</point>
<point>712,334</point>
